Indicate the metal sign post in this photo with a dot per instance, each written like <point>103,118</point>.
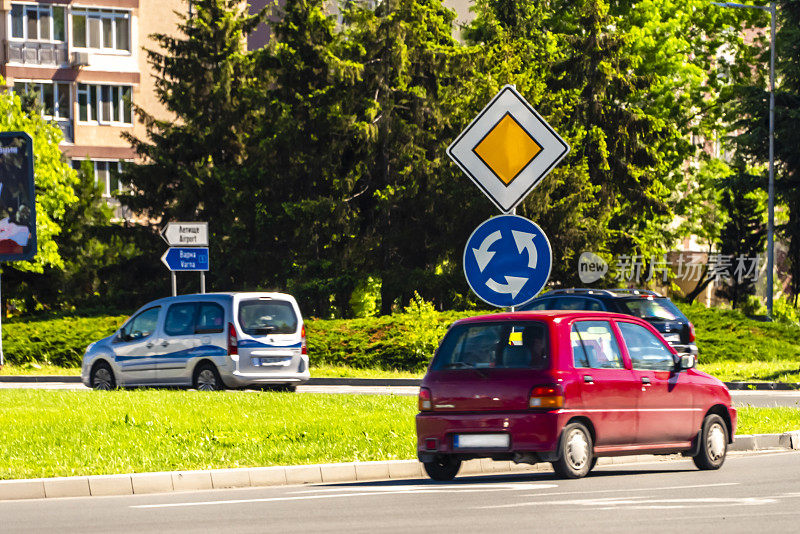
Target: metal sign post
<point>17,203</point>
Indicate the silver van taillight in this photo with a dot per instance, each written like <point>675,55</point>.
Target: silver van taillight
<point>233,342</point>
<point>303,348</point>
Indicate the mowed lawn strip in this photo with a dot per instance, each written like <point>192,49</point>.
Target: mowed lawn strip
<point>62,433</point>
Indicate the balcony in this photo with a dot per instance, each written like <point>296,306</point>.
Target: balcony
<point>34,53</point>
<point>66,129</point>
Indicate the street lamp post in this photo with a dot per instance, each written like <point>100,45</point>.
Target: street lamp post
<point>771,188</point>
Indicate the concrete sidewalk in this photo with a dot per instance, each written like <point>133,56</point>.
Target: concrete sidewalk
<point>142,483</point>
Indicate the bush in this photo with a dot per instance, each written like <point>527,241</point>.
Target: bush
<point>55,341</point>
<point>730,335</point>
<point>403,341</point>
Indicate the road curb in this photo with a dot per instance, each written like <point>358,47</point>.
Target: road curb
<point>389,382</point>
<point>254,477</point>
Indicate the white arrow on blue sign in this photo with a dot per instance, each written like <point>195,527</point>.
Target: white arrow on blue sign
<point>186,259</point>
<point>507,260</point>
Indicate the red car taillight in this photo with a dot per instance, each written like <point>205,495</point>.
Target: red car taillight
<point>424,399</point>
<point>691,332</point>
<point>546,397</point>
<point>233,342</point>
<point>303,348</point>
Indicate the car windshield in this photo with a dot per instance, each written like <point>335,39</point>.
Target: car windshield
<point>260,317</point>
<point>653,309</point>
<point>509,345</point>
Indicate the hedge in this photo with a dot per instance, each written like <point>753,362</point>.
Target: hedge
<point>403,341</point>
<point>55,341</point>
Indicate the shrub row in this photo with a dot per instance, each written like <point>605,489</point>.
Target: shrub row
<point>730,335</point>
<point>54,341</point>
<point>404,341</point>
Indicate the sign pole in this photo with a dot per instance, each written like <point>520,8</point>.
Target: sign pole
<point>174,284</point>
<point>202,281</point>
<point>513,212</point>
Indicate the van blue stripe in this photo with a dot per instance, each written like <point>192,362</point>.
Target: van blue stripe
<point>194,352</point>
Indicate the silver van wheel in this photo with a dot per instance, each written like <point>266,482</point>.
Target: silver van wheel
<point>102,377</point>
<point>207,379</point>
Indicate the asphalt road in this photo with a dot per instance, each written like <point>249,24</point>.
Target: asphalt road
<point>753,492</point>
<point>740,398</point>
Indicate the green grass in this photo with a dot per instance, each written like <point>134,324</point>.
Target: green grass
<point>62,433</point>
<point>340,371</point>
<point>767,420</point>
<point>771,371</point>
<point>39,369</point>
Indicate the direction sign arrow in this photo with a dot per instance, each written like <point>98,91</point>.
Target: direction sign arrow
<point>186,259</point>
<point>512,286</point>
<point>186,234</point>
<point>524,241</point>
<point>482,254</point>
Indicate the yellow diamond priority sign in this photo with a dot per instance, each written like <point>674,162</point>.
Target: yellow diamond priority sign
<point>507,149</point>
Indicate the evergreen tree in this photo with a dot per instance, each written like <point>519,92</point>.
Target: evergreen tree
<point>410,208</point>
<point>191,161</point>
<point>745,233</point>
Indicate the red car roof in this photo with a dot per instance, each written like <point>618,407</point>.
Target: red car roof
<point>549,315</point>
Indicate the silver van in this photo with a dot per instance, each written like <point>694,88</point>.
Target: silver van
<point>208,341</point>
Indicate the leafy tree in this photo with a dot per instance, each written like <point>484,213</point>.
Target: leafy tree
<point>751,117</point>
<point>52,176</point>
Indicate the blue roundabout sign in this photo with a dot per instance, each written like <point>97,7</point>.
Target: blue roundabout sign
<point>507,260</point>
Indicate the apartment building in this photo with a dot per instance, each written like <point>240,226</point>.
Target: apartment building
<point>85,60</point>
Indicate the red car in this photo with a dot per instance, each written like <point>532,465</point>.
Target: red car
<point>566,387</point>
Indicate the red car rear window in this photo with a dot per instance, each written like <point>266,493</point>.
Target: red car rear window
<point>504,345</point>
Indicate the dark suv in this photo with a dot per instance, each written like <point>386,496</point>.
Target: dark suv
<point>656,309</point>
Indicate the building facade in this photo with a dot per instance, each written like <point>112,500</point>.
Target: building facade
<point>86,61</point>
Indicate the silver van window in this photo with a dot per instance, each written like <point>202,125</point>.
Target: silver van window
<point>140,326</point>
<point>189,318</point>
<point>210,319</point>
<point>259,317</point>
<point>180,319</point>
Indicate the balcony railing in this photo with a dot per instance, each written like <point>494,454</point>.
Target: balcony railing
<point>33,53</point>
<point>66,129</point>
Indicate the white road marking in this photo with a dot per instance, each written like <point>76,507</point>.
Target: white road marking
<point>393,491</point>
<point>651,502</point>
<point>432,487</point>
<point>606,491</point>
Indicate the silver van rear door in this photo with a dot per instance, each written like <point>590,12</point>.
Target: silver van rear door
<point>271,336</point>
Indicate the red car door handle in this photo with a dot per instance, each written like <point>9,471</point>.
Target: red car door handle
<point>588,379</point>
<point>645,380</point>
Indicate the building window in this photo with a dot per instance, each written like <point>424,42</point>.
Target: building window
<point>38,22</point>
<point>106,173</point>
<point>103,29</point>
<point>54,97</point>
<point>105,104</point>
